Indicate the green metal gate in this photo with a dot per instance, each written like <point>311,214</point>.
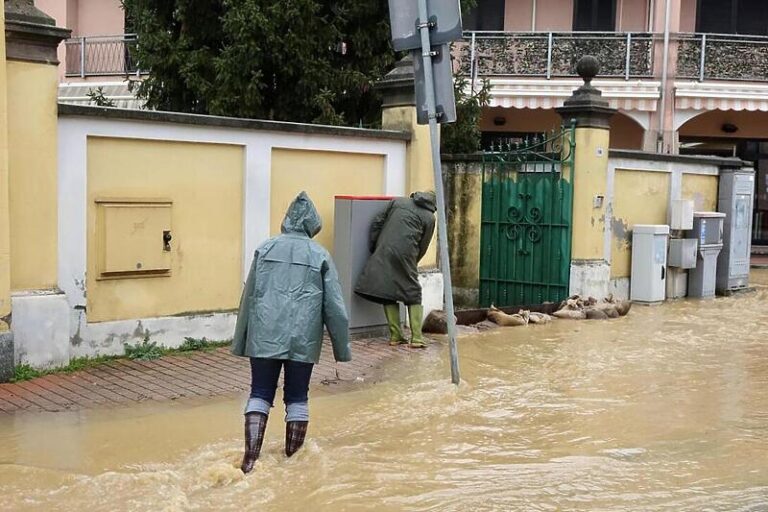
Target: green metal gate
<point>527,204</point>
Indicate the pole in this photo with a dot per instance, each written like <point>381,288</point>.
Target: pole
<point>664,66</point>
<point>442,229</point>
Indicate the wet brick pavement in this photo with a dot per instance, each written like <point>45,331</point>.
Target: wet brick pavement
<point>195,374</point>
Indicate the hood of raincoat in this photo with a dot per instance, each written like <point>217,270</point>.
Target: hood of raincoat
<point>302,217</point>
<point>425,200</point>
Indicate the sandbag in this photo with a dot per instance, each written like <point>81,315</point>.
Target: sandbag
<point>570,314</point>
<point>501,318</point>
<point>623,307</point>
<point>436,322</point>
<point>595,314</point>
<point>538,318</point>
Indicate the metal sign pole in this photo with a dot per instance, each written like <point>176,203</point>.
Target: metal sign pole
<point>442,230</point>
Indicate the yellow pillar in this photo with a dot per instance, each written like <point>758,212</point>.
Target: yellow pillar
<point>5,248</point>
<point>32,86</point>
<point>28,186</point>
<point>7,358</point>
<point>589,186</point>
<point>590,270</point>
<point>399,113</point>
<point>419,175</point>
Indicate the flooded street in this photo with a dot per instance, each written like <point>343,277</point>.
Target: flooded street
<point>665,409</point>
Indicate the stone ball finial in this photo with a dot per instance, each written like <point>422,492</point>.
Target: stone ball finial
<point>588,67</point>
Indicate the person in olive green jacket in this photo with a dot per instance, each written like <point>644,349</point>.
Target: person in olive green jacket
<point>399,238</point>
<point>292,291</point>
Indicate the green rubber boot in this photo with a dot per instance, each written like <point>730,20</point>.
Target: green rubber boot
<point>392,312</point>
<point>416,317</point>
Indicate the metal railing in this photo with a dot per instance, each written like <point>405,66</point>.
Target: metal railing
<point>722,57</point>
<point>102,56</point>
<point>555,54</point>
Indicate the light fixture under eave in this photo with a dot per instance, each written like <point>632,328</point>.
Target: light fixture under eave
<point>729,128</point>
<point>499,120</point>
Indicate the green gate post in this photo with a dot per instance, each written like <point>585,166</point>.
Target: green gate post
<point>590,269</point>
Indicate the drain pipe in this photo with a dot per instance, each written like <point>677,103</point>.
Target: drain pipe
<point>665,65</point>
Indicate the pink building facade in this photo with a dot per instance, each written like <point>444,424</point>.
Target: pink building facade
<point>687,76</point>
<point>99,49</point>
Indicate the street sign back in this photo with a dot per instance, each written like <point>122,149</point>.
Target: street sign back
<point>404,17</point>
<point>442,72</point>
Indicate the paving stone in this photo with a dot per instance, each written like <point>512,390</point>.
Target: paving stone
<point>198,374</point>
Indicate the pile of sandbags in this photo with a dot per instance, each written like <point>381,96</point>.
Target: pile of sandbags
<point>573,308</point>
<point>576,308</point>
<point>522,317</point>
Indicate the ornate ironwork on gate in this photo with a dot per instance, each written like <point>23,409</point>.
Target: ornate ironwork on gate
<point>527,208</point>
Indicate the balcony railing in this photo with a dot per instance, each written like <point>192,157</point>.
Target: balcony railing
<point>102,56</point>
<point>555,54</point>
<point>621,55</point>
<point>722,57</point>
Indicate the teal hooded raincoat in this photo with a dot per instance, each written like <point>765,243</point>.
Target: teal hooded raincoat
<point>292,290</point>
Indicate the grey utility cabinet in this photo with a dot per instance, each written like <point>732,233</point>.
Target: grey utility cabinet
<point>352,225</point>
<point>735,200</point>
<point>649,263</point>
<point>708,230</point>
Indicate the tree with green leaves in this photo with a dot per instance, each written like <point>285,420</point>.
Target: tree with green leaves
<point>290,60</point>
<point>463,136</point>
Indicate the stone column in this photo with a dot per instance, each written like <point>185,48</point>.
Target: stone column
<point>590,271</point>
<point>398,112</point>
<point>40,320</point>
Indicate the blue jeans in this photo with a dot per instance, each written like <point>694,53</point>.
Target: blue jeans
<point>264,376</point>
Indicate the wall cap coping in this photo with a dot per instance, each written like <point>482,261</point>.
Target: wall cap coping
<point>727,162</point>
<point>33,42</point>
<point>462,157</point>
<point>68,110</point>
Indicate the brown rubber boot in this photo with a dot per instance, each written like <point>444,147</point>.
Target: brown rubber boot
<point>295,432</point>
<point>255,425</point>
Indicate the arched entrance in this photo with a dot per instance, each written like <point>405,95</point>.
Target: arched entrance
<point>743,134</point>
<point>505,124</point>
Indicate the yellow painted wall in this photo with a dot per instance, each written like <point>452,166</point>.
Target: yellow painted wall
<point>5,250</point>
<point>702,190</point>
<point>640,197</point>
<point>205,183</point>
<point>589,180</point>
<point>32,159</point>
<point>464,196</point>
<point>323,175</point>
<point>420,174</point>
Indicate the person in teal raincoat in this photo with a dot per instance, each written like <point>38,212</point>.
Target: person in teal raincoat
<point>292,291</point>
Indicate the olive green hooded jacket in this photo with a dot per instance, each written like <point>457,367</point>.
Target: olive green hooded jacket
<point>292,290</point>
<point>399,238</point>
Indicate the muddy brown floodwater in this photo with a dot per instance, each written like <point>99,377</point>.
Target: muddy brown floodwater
<point>666,409</point>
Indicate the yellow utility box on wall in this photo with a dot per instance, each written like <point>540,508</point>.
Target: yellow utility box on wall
<point>133,238</point>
